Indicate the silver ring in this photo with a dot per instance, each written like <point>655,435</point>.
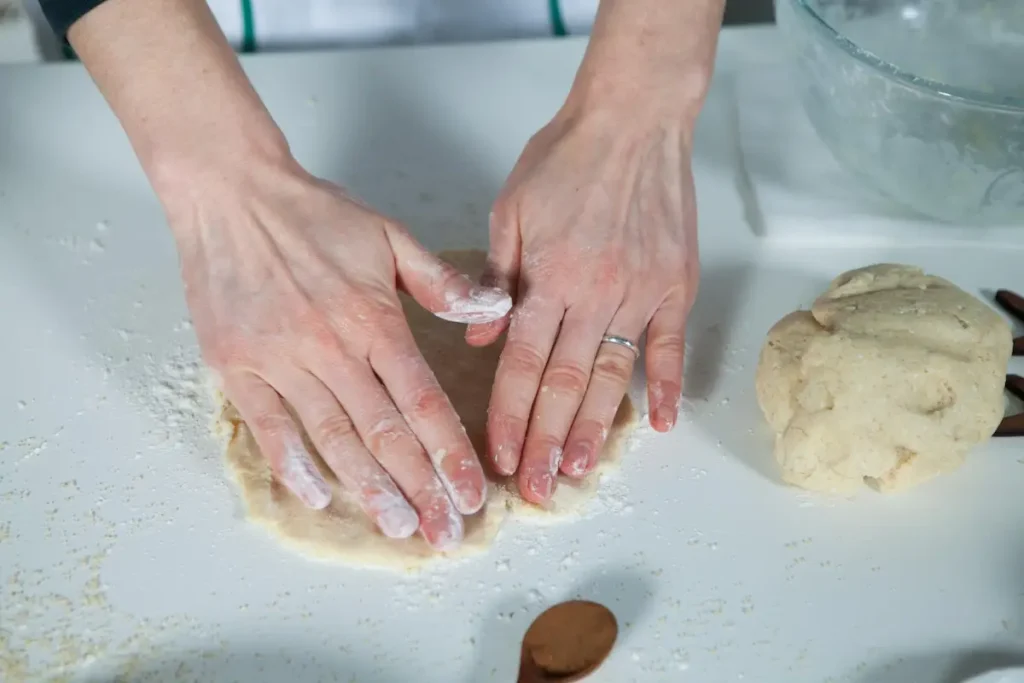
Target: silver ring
<point>621,341</point>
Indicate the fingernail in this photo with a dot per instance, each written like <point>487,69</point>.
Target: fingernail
<point>482,305</point>
<point>541,485</point>
<point>303,479</point>
<point>398,522</point>
<point>555,460</point>
<point>577,460</point>
<point>394,515</point>
<point>466,497</point>
<point>471,498</point>
<point>477,333</point>
<point>450,538</point>
<point>666,415</point>
<point>506,458</point>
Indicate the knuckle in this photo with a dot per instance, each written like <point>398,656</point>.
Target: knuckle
<point>613,367</point>
<point>566,377</point>
<point>335,430</point>
<point>368,310</point>
<point>387,434</point>
<point>523,359</point>
<point>503,426</point>
<point>429,401</point>
<point>608,270</point>
<point>271,423</point>
<point>225,351</point>
<point>448,276</point>
<point>668,344</point>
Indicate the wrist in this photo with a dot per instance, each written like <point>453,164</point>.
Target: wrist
<point>639,100</point>
<point>671,96</point>
<point>650,58</point>
<point>207,191</point>
<point>177,163</point>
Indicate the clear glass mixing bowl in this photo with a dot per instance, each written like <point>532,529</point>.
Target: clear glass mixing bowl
<point>923,99</point>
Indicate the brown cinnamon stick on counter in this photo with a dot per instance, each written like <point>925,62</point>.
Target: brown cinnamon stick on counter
<point>1013,425</point>
<point>1013,304</point>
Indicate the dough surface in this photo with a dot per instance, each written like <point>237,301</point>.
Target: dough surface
<point>890,379</point>
<point>342,532</point>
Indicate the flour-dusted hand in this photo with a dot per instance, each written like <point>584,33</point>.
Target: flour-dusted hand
<point>292,285</point>
<point>292,288</point>
<point>595,233</point>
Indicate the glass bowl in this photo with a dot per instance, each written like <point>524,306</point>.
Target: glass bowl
<point>923,99</point>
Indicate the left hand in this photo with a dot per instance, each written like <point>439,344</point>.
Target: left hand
<point>594,234</point>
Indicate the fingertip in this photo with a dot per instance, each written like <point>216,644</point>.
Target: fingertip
<point>664,398</point>
<point>469,493</point>
<point>505,461</point>
<point>576,463</point>
<point>537,487</point>
<point>478,305</point>
<point>449,538</point>
<point>485,334</point>
<point>319,502</point>
<point>504,443</point>
<point>660,425</point>
<point>398,522</point>
<point>472,501</point>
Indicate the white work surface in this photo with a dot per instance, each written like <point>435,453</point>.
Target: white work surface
<point>123,549</point>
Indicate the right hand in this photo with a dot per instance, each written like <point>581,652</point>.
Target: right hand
<point>292,286</point>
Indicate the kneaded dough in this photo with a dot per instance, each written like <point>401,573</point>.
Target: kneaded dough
<point>342,532</point>
<point>890,379</point>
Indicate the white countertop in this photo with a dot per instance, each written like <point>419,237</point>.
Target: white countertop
<point>123,546</point>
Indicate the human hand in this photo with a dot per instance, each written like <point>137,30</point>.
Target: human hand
<point>594,234</point>
<point>292,289</point>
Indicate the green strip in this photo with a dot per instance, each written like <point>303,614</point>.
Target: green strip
<point>557,25</point>
<point>248,27</point>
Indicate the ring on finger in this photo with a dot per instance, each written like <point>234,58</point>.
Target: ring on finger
<point>621,341</point>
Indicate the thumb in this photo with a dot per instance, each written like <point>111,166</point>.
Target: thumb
<point>502,272</point>
<point>440,288</point>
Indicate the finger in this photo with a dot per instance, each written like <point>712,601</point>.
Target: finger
<point>331,430</point>
<point>278,437</point>
<point>385,433</point>
<point>523,360</point>
<point>428,412</point>
<point>613,369</point>
<point>562,388</point>
<point>502,272</point>
<point>664,364</point>
<point>440,288</point>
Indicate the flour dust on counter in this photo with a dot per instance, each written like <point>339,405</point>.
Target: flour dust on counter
<point>342,532</point>
<point>889,380</point>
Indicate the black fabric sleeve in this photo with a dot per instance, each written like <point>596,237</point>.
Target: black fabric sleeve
<point>61,14</point>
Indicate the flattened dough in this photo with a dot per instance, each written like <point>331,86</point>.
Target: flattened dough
<point>890,379</point>
<point>342,532</point>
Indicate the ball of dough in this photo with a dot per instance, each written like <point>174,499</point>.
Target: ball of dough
<point>890,379</point>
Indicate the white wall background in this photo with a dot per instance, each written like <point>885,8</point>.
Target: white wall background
<point>297,24</point>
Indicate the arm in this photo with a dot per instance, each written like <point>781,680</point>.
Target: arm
<point>599,218</point>
<point>660,52</point>
<point>175,84</point>
<point>291,284</point>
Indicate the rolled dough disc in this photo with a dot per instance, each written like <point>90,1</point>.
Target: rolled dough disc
<point>342,532</point>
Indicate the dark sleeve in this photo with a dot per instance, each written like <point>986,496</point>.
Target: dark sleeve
<point>61,14</point>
